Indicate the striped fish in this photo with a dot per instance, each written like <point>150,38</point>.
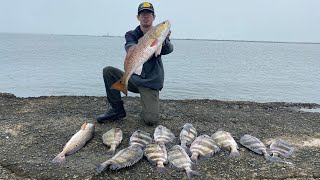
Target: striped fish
<point>225,140</point>
<point>112,138</point>
<point>124,158</point>
<point>281,147</point>
<point>163,135</point>
<point>141,138</point>
<point>203,147</point>
<point>149,44</point>
<point>187,135</point>
<point>255,145</point>
<point>157,155</point>
<point>179,159</point>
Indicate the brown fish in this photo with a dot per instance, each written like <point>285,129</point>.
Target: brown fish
<point>112,138</point>
<point>149,44</point>
<point>76,142</point>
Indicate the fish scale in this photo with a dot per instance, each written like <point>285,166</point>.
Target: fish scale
<point>140,138</point>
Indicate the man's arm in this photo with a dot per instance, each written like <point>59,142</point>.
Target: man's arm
<point>130,41</point>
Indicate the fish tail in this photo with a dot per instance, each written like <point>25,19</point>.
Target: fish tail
<point>101,167</point>
<point>194,158</point>
<point>60,158</point>
<point>112,150</point>
<point>120,86</point>
<point>191,173</point>
<point>160,168</point>
<point>234,153</point>
<point>184,146</point>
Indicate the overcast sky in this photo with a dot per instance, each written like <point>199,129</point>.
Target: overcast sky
<point>267,20</point>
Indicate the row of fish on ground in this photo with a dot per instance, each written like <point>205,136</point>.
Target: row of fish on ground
<point>181,157</point>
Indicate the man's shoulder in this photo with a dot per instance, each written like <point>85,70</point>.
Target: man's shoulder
<point>135,32</point>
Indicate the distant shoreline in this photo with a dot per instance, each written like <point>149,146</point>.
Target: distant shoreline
<point>192,39</point>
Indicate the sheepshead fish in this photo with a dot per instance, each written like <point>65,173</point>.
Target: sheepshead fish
<point>187,135</point>
<point>141,138</point>
<point>112,138</point>
<point>157,155</point>
<point>203,147</point>
<point>76,142</point>
<point>279,147</point>
<point>179,159</point>
<point>124,158</point>
<point>163,135</point>
<point>255,145</point>
<point>225,140</point>
<point>149,44</point>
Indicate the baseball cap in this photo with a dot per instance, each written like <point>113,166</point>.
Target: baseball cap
<point>145,6</point>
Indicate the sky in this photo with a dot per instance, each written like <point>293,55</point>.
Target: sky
<point>253,20</point>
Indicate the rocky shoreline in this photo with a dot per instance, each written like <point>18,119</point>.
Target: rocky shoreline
<point>35,129</point>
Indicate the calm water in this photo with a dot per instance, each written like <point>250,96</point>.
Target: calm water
<point>41,65</point>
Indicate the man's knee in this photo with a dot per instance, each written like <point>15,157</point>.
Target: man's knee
<point>107,70</point>
<point>150,118</point>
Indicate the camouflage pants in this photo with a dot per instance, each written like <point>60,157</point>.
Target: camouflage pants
<point>149,98</point>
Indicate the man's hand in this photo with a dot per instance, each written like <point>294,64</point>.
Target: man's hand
<point>168,34</point>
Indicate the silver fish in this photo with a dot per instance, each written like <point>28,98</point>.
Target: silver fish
<point>255,145</point>
<point>76,142</point>
<point>203,147</point>
<point>281,147</point>
<point>141,138</point>
<point>124,158</point>
<point>157,155</point>
<point>187,135</point>
<point>163,135</point>
<point>112,138</point>
<point>225,140</point>
<point>180,160</point>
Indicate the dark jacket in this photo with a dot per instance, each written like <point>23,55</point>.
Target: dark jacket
<point>152,75</point>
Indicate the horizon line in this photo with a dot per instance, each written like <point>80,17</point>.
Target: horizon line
<point>188,39</point>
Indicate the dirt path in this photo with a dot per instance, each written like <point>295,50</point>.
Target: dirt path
<point>34,130</point>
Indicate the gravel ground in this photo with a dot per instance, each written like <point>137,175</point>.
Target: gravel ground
<point>34,130</point>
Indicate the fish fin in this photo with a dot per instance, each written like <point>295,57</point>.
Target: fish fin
<point>194,158</point>
<point>234,154</point>
<point>101,167</point>
<point>154,43</point>
<point>83,127</point>
<point>120,86</point>
<point>191,173</point>
<point>112,150</point>
<point>160,168</point>
<point>60,158</point>
<point>139,70</point>
<point>158,52</point>
<point>186,149</point>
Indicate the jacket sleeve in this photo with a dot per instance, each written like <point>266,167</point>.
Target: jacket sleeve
<point>130,40</point>
<point>167,47</point>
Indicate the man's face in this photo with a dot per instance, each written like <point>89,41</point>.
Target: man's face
<point>146,18</point>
